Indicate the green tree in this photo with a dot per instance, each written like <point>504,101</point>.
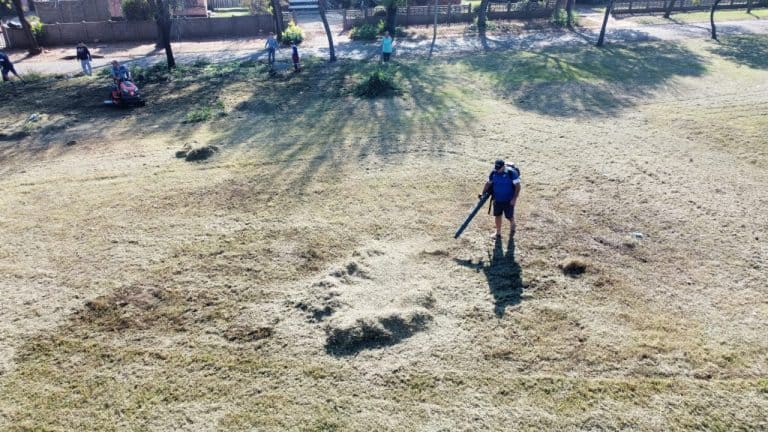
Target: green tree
<point>277,12</point>
<point>712,19</point>
<point>34,46</point>
<point>608,9</point>
<point>668,10</point>
<point>482,13</point>
<point>162,10</point>
<point>391,8</point>
<point>321,7</point>
<point>136,10</point>
<point>569,11</point>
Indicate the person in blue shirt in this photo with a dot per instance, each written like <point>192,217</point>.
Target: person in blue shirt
<point>271,47</point>
<point>7,67</point>
<point>295,57</point>
<point>84,56</point>
<point>386,46</point>
<point>119,72</point>
<point>504,184</point>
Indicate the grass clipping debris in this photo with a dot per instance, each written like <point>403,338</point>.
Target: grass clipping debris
<point>190,154</point>
<point>379,83</point>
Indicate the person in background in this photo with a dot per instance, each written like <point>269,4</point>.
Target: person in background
<point>85,58</point>
<point>271,46</point>
<point>386,47</point>
<point>295,57</point>
<point>119,72</point>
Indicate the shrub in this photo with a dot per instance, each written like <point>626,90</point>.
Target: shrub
<point>205,113</point>
<point>364,32</point>
<point>36,26</point>
<point>293,34</point>
<point>381,26</point>
<point>560,18</point>
<point>378,83</point>
<point>136,10</point>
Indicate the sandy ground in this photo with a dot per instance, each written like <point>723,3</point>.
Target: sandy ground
<point>306,278</point>
<point>452,39</point>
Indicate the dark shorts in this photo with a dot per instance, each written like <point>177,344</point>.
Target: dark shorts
<point>503,207</point>
<point>386,56</point>
<point>6,71</point>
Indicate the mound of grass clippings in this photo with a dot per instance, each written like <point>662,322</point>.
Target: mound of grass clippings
<point>200,153</point>
<point>574,267</point>
<point>377,84</point>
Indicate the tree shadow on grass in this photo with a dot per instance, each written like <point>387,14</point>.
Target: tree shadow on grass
<point>503,273</point>
<point>749,51</point>
<point>590,81</point>
<point>313,125</point>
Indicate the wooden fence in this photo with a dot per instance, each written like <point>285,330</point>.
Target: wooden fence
<point>119,31</point>
<point>425,15</point>
<point>221,4</point>
<point>652,6</point>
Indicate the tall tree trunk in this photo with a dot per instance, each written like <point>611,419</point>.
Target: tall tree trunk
<point>482,14</point>
<point>434,31</point>
<point>749,6</point>
<point>558,8</point>
<point>605,23</point>
<point>712,19</point>
<point>668,10</point>
<point>569,11</point>
<point>391,17</point>
<point>321,8</point>
<point>163,19</point>
<point>34,48</point>
<point>277,12</point>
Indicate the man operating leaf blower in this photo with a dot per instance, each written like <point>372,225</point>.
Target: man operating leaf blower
<point>503,186</point>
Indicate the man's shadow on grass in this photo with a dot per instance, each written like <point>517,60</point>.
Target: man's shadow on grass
<point>503,273</point>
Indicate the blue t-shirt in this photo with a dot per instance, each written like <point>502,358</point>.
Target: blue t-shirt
<point>120,73</point>
<point>504,184</point>
<point>5,62</point>
<point>386,45</point>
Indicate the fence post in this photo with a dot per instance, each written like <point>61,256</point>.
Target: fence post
<point>407,14</point>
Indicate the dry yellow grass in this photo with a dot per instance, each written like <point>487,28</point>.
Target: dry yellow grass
<point>305,277</point>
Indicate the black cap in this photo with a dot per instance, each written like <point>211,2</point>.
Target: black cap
<point>499,163</point>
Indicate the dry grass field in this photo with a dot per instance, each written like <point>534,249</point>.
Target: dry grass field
<point>305,277</point>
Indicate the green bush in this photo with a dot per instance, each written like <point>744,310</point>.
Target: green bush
<point>379,83</point>
<point>293,34</point>
<point>205,113</point>
<point>560,18</point>
<point>381,26</point>
<point>364,32</point>
<point>36,27</point>
<point>136,10</point>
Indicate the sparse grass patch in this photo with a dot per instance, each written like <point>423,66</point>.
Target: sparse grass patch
<point>205,113</point>
<point>141,292</point>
